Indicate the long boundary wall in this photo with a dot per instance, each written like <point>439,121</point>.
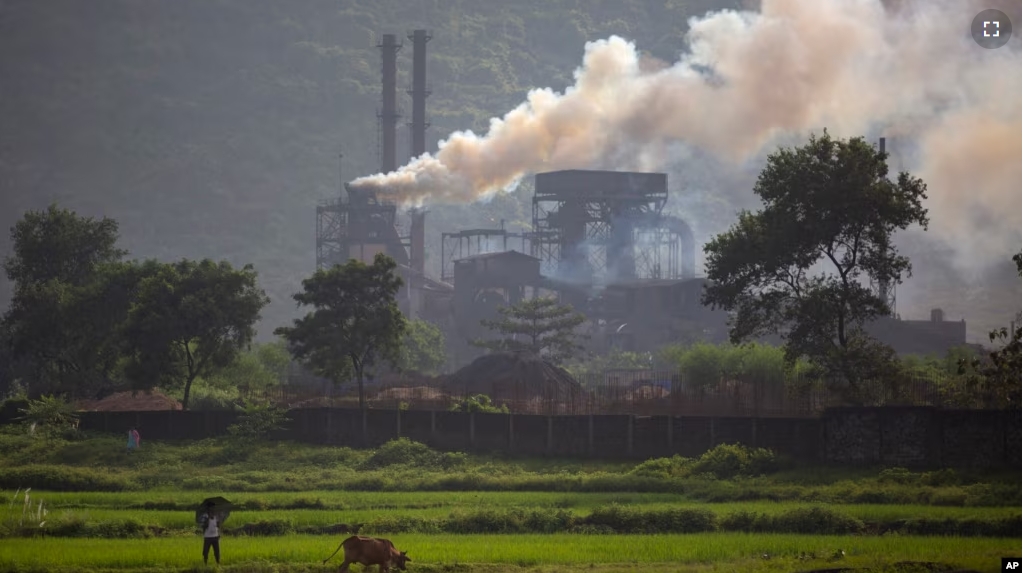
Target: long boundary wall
<point>909,437</point>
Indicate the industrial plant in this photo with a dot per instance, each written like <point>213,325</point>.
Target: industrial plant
<point>599,240</point>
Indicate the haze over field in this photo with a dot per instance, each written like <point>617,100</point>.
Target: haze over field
<point>211,130</point>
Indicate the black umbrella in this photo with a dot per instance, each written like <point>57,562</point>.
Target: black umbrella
<point>217,505</point>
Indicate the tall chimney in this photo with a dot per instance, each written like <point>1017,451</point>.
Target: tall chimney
<point>389,114</point>
<point>883,288</point>
<point>417,239</point>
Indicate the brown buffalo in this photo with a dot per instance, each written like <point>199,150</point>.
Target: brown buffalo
<point>370,551</point>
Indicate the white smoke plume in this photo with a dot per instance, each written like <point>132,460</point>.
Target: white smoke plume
<point>750,79</point>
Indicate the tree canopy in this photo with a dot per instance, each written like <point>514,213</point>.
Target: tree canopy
<point>541,325</point>
<point>996,380</point>
<point>71,294</point>
<point>422,348</point>
<point>60,245</point>
<point>801,266</point>
<point>355,320</point>
<point>190,319</point>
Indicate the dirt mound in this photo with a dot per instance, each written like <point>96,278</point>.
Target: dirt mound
<point>414,393</point>
<point>515,376</point>
<point>648,392</point>
<point>127,402</point>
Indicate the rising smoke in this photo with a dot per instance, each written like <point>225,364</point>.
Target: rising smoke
<point>751,80</point>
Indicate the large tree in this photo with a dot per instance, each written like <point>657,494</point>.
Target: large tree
<point>541,325</point>
<point>71,295</point>
<point>801,266</point>
<point>60,245</point>
<point>191,319</point>
<point>70,336</point>
<point>354,322</point>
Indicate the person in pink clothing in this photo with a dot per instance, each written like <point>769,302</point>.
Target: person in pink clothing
<point>134,440</point>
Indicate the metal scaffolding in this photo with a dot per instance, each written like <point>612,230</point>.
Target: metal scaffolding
<point>471,242</point>
<point>602,226</point>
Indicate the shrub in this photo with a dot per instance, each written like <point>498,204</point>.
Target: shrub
<point>942,477</point>
<point>405,452</point>
<point>627,520</point>
<point>258,421</point>
<point>675,466</point>
<point>50,413</point>
<point>730,460</point>
<point>897,475</point>
<point>816,520</point>
<point>479,403</point>
<point>207,397</point>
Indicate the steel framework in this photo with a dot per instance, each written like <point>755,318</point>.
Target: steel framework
<point>331,248</point>
<point>600,226</point>
<point>454,246</point>
<point>357,218</point>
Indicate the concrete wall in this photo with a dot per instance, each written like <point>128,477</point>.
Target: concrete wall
<point>909,437</point>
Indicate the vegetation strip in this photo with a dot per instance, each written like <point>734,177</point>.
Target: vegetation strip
<point>784,552</point>
<point>602,520</point>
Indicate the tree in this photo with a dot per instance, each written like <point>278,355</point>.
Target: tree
<point>422,348</point>
<point>997,379</point>
<point>540,325</point>
<point>59,245</point>
<point>49,412</point>
<point>71,297</point>
<point>70,335</point>
<point>191,319</point>
<point>797,266</point>
<point>355,320</point>
<point>589,367</point>
<point>275,359</point>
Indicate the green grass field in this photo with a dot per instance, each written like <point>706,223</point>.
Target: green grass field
<point>110,512</point>
<point>738,550</point>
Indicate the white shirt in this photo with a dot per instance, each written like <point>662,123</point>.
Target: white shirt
<point>211,528</point>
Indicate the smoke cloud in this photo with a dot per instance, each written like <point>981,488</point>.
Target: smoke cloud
<point>751,80</point>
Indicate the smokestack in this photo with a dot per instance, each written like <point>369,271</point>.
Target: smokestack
<point>882,286</point>
<point>389,114</point>
<point>417,240</point>
<point>418,92</point>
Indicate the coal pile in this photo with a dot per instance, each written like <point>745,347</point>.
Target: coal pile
<point>131,402</point>
<point>518,378</point>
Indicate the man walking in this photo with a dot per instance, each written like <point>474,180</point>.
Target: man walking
<point>210,534</point>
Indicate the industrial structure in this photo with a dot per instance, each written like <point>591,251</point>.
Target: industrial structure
<point>599,240</point>
<point>597,227</point>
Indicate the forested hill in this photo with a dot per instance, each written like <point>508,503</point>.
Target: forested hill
<point>210,128</point>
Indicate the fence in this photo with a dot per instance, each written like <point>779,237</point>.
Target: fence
<point>907,436</point>
<point>639,392</point>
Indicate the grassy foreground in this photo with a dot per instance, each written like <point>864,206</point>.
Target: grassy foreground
<point>107,511</point>
<point>725,551</point>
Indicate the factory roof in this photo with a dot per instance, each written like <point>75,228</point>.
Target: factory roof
<point>648,283</point>
<point>500,254</point>
<point>584,183</point>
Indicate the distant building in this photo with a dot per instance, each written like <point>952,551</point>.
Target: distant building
<point>934,336</point>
